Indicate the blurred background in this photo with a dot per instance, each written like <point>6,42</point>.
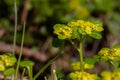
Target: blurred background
<point>41,44</point>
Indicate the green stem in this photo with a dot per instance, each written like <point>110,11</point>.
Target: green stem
<point>20,55</point>
<point>45,78</point>
<point>73,44</point>
<point>30,73</point>
<point>54,74</point>
<point>23,74</point>
<point>115,64</point>
<point>80,53</point>
<point>81,56</point>
<point>15,29</point>
<point>46,66</point>
<point>5,78</point>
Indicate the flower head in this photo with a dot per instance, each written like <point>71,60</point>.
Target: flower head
<point>85,27</point>
<point>77,28</point>
<point>9,60</point>
<point>82,75</point>
<point>109,54</point>
<point>106,75</point>
<point>2,67</point>
<point>63,31</point>
<point>76,65</point>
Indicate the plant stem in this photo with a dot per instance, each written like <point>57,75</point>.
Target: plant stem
<point>30,73</point>
<point>23,74</point>
<point>15,29</point>
<point>20,55</point>
<point>80,53</point>
<point>5,78</point>
<point>73,44</point>
<point>46,66</point>
<point>54,74</point>
<point>81,56</point>
<point>115,64</point>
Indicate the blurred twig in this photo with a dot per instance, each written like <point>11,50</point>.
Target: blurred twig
<point>26,52</point>
<point>25,11</point>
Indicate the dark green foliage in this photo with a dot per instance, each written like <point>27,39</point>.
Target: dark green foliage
<point>57,42</point>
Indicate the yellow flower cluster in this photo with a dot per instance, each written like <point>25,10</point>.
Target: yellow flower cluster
<point>63,31</point>
<point>2,67</point>
<point>85,27</point>
<point>6,61</point>
<point>109,54</point>
<point>76,65</point>
<point>76,28</point>
<point>82,75</point>
<point>106,75</point>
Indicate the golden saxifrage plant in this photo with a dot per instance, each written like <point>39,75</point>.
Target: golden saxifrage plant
<point>80,29</point>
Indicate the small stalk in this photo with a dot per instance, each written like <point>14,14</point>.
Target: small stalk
<point>5,78</point>
<point>30,73</point>
<point>54,74</point>
<point>23,74</point>
<point>115,64</point>
<point>81,57</point>
<point>45,78</point>
<point>80,53</point>
<point>44,67</point>
<point>20,55</point>
<point>15,29</point>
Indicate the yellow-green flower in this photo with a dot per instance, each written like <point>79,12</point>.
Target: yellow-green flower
<point>111,54</point>
<point>86,27</point>
<point>76,65</point>
<point>8,60</point>
<point>77,28</point>
<point>82,12</point>
<point>82,75</point>
<point>106,75</point>
<point>74,4</point>
<point>116,76</point>
<point>63,31</point>
<point>115,51</point>
<point>2,67</point>
<point>104,52</point>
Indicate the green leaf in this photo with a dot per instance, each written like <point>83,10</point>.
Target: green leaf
<point>89,61</point>
<point>96,58</point>
<point>96,35</point>
<point>116,46</point>
<point>9,71</point>
<point>26,63</point>
<point>74,35</point>
<point>57,26</point>
<point>57,42</point>
<point>97,23</point>
<point>105,5</point>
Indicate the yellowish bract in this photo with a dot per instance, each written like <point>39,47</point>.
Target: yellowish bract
<point>2,67</point>
<point>76,65</point>
<point>82,75</point>
<point>63,32</point>
<point>112,54</point>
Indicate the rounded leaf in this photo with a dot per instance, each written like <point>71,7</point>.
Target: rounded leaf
<point>9,71</point>
<point>26,63</point>
<point>96,35</point>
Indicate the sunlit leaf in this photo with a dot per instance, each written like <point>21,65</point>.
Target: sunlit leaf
<point>9,71</point>
<point>96,35</point>
<point>26,63</point>
<point>116,46</point>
